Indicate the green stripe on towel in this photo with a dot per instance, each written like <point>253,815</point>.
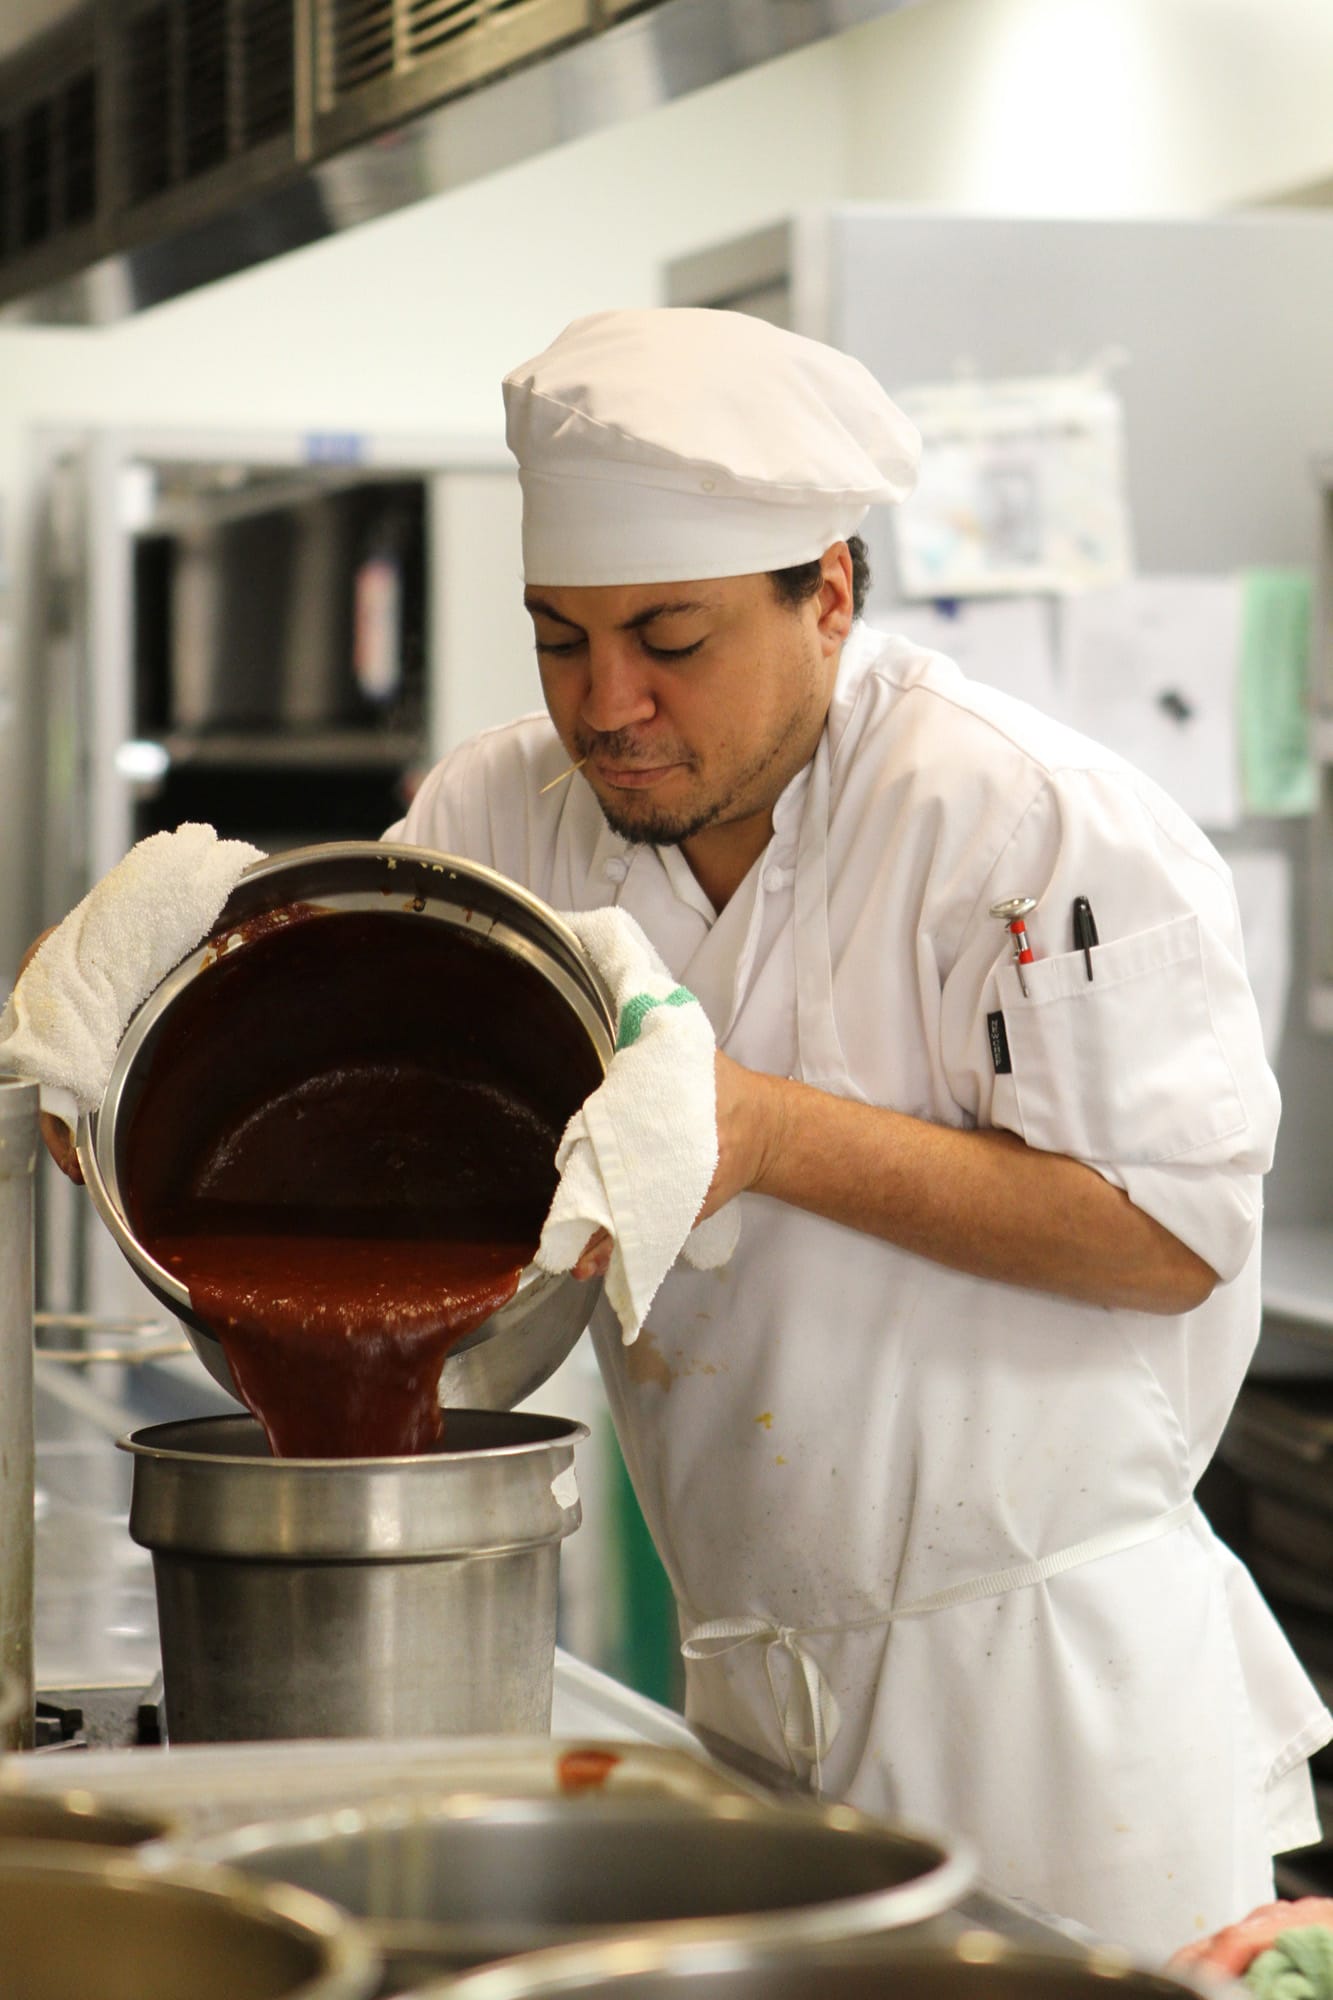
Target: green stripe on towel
<point>1298,1965</point>
<point>635,1012</point>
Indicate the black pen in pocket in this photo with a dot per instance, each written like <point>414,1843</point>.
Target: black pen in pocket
<point>1085,930</point>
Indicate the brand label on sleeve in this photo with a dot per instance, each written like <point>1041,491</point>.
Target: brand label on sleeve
<point>999,1044</point>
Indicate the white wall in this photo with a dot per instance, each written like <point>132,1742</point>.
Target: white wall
<point>1091,107</point>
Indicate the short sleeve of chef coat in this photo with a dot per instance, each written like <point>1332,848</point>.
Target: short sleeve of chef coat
<point>493,801</point>
<point>1153,1071</point>
<point>484,801</point>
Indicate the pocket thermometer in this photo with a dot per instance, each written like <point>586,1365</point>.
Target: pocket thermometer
<point>1011,913</point>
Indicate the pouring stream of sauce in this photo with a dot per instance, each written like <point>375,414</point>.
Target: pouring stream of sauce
<point>337,1343</point>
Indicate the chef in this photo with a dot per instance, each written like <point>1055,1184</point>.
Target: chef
<point>919,1461</point>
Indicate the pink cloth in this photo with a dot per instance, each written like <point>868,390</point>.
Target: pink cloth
<point>1228,1953</point>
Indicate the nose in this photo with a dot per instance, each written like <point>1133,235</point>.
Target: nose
<point>618,692</point>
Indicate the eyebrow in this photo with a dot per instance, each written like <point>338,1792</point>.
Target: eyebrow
<point>667,609</point>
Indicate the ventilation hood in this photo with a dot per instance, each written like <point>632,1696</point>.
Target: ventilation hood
<point>151,146</point>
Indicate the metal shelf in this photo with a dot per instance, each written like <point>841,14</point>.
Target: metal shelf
<point>1298,1275</point>
<point>267,750</point>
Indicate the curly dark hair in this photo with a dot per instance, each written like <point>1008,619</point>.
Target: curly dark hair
<point>795,585</point>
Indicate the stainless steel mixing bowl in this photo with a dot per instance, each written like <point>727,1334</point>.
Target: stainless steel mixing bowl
<point>515,1350</point>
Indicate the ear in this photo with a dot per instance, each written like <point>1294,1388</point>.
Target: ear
<point>835,598</point>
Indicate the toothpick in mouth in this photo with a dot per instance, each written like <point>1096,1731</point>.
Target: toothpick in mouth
<point>563,775</point>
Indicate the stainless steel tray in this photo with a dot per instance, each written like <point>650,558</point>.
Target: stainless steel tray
<point>205,1789</point>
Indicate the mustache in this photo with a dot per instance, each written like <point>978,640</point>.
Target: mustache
<point>626,747</point>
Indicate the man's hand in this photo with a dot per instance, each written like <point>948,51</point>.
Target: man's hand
<point>748,1131</point>
<point>60,1145</point>
<point>595,1259</point>
<point>32,951</point>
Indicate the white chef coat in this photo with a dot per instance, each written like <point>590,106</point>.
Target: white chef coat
<point>831,1435</point>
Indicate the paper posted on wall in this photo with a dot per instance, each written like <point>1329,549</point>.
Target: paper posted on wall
<point>1151,668</point>
<point>1004,642</point>
<point>1276,764</point>
<point>1263,884</point>
<point>1022,488</point>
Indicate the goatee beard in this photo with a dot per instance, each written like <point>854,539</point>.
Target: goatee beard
<point>649,829</point>
<point>645,826</point>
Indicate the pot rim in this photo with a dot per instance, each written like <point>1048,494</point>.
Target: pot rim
<point>860,1914</point>
<point>436,885</point>
<point>138,1445</point>
<point>602,1966</point>
<point>352,1960</point>
<point>105,1194</point>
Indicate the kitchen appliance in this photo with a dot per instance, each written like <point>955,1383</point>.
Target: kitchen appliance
<point>447,1884</point>
<point>18,1158</point>
<point>1278,1446</point>
<point>75,1925</point>
<point>298,615</point>
<point>356,1597</point>
<point>512,1353</point>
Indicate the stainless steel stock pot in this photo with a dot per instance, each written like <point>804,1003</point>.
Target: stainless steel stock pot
<point>515,1350</point>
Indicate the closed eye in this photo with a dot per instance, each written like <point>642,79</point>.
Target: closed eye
<point>671,652</point>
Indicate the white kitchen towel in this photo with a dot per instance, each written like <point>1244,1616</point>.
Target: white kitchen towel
<point>639,1157</point>
<point>63,1022</point>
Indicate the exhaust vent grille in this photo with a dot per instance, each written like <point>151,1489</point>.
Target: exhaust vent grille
<point>147,116</point>
<point>37,191</point>
<point>384,59</point>
<point>362,42</point>
<point>432,23</point>
<point>81,149</point>
<point>202,82</point>
<point>48,145</point>
<point>268,55</point>
<point>138,122</point>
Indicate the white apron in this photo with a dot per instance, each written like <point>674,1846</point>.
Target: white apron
<point>932,1538</point>
<point>942,1558</point>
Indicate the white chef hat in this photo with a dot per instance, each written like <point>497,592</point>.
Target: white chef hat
<point>679,442</point>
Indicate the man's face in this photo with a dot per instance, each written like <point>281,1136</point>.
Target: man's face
<point>693,704</point>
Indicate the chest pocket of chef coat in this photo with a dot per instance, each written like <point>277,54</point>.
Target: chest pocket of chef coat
<point>1127,1066</point>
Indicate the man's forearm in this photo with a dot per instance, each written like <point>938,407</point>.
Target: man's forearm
<point>978,1201</point>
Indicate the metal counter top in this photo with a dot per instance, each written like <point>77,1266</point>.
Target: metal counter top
<point>96,1613</point>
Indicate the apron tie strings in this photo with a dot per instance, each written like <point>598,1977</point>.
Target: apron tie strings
<point>811,1739</point>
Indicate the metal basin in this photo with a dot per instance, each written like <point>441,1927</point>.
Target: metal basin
<point>80,1925</point>
<point>975,1966</point>
<point>356,1596</point>
<point>448,1884</point>
<point>77,1818</point>
<point>514,1351</point>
